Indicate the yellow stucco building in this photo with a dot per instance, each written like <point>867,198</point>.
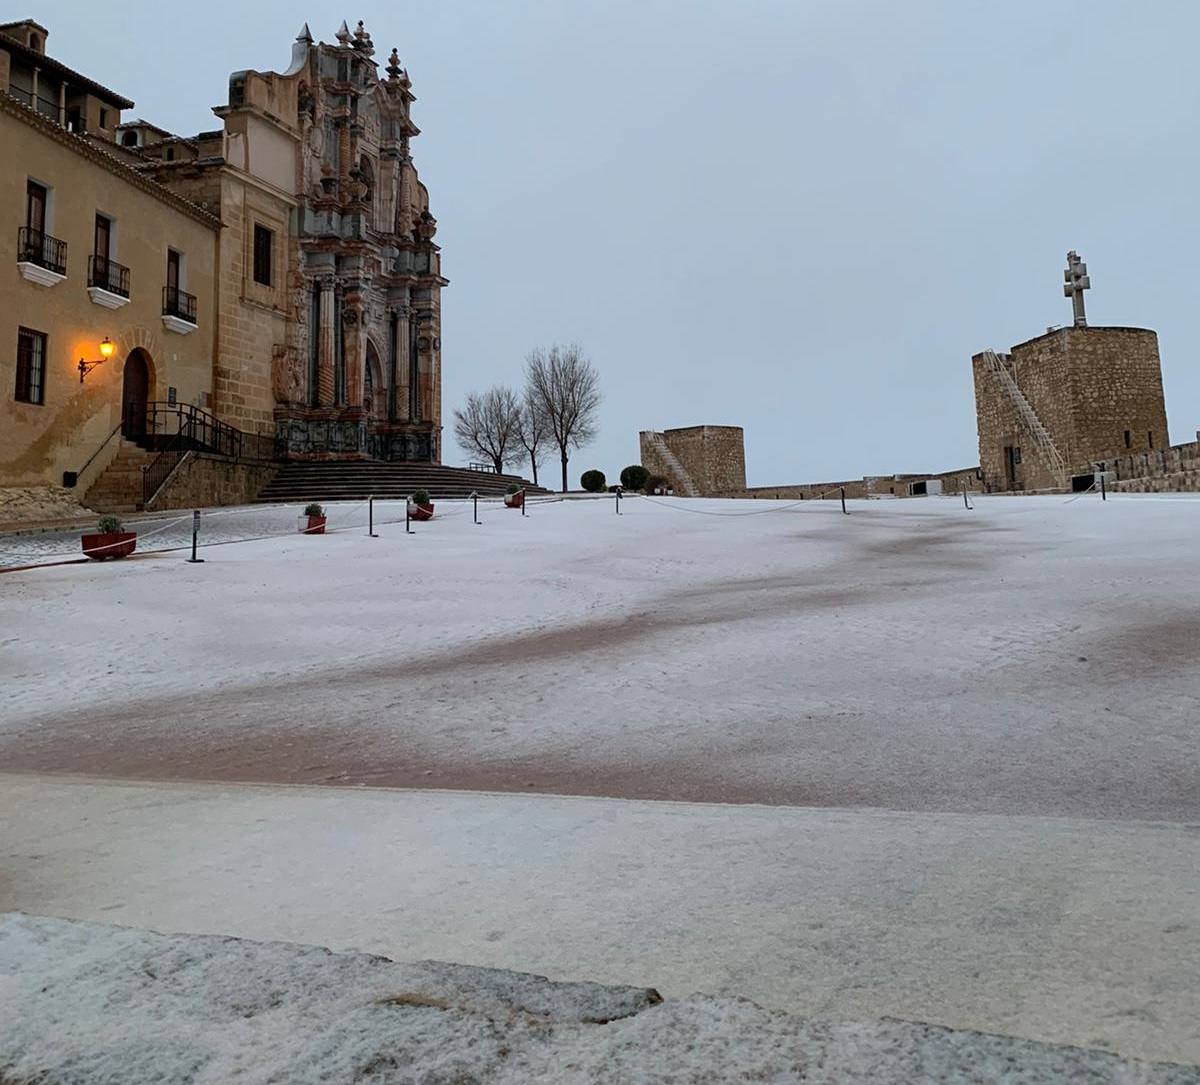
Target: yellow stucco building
<point>107,278</point>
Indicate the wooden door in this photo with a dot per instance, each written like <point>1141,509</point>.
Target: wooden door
<point>135,392</point>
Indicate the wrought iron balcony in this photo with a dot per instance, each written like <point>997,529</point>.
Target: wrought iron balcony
<point>36,247</point>
<point>108,275</point>
<point>179,304</point>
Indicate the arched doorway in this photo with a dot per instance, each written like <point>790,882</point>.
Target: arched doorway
<point>135,394</point>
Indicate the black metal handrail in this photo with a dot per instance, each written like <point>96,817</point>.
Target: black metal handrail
<point>36,247</point>
<point>179,303</point>
<point>159,469</point>
<point>108,275</point>
<point>194,428</point>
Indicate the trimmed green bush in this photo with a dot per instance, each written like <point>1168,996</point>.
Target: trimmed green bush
<point>593,481</point>
<point>108,525</point>
<point>313,509</point>
<point>634,477</point>
<point>513,488</point>
<point>421,497</point>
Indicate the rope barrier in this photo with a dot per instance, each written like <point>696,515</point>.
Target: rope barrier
<point>345,518</point>
<point>755,512</point>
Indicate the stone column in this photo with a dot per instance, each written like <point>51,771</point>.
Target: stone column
<point>327,333</point>
<point>354,348</point>
<point>403,363</point>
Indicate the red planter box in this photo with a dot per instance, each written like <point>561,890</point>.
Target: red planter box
<point>109,544</point>
<point>515,501</point>
<point>315,525</point>
<point>420,512</point>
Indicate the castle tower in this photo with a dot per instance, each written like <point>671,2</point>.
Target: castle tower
<point>1064,403</point>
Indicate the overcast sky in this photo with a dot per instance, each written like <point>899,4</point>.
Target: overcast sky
<point>798,217</point>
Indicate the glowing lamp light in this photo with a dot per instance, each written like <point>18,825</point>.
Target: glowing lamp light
<point>106,351</point>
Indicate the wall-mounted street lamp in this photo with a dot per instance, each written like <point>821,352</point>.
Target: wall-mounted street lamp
<point>106,352</point>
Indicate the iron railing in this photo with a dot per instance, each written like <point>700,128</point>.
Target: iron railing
<point>36,247</point>
<point>108,275</point>
<point>190,428</point>
<point>179,303</point>
<point>490,468</point>
<point>159,469</point>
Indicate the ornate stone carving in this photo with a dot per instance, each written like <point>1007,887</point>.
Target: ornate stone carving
<point>287,374</point>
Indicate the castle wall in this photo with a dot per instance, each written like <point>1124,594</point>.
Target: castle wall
<point>1157,470</point>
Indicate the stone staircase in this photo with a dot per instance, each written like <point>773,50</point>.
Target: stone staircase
<point>677,475</point>
<point>356,480</point>
<point>119,487</point>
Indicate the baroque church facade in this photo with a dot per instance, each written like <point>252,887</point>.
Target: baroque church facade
<point>329,276</point>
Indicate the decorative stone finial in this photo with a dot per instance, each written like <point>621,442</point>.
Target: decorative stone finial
<point>343,34</point>
<point>362,40</point>
<point>305,35</point>
<point>393,65</point>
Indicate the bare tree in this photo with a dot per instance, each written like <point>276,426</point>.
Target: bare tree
<point>533,432</point>
<point>566,388</point>
<point>488,425</point>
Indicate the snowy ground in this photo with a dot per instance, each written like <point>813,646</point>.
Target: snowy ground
<point>1031,656</point>
<point>1059,930</point>
<point>133,1008</point>
<point>995,708</point>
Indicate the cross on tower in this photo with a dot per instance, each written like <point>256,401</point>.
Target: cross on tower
<point>1076,282</point>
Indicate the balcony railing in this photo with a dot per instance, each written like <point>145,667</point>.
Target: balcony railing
<point>108,275</point>
<point>179,303</point>
<point>35,247</point>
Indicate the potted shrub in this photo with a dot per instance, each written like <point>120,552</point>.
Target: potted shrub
<point>313,520</point>
<point>514,497</point>
<point>109,541</point>
<point>420,507</point>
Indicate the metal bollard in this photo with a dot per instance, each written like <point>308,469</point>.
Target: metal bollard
<point>843,489</point>
<point>618,493</point>
<point>966,503</point>
<point>195,533</point>
<point>371,517</point>
<point>407,524</point>
<point>524,502</point>
<point>475,505</point>
<point>1103,489</point>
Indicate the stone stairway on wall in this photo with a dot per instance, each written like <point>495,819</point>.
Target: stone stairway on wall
<point>1033,425</point>
<point>356,480</point>
<point>119,487</point>
<point>677,475</point>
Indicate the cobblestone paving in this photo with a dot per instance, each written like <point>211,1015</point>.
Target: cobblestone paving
<point>171,530</point>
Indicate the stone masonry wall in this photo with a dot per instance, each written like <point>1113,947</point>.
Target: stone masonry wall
<point>713,456</point>
<point>253,317</point>
<point>1161,470</point>
<point>953,482</point>
<point>202,481</point>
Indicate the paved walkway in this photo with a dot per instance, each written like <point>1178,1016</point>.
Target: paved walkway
<point>1062,930</point>
<point>173,529</point>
